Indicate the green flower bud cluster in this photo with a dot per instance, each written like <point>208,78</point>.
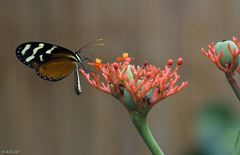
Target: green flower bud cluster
<point>226,58</point>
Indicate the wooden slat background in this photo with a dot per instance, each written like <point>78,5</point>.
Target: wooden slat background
<point>43,118</point>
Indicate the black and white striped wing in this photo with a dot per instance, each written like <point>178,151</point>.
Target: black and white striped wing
<point>34,54</point>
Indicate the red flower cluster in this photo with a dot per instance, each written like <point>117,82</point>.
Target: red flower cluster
<point>146,85</point>
<point>217,57</point>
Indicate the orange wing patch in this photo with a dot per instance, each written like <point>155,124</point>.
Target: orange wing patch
<point>56,69</point>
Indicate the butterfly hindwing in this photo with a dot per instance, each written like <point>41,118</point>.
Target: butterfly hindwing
<point>56,68</point>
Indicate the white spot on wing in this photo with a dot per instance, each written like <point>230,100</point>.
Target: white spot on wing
<point>41,45</point>
<point>41,57</point>
<point>49,51</point>
<point>25,49</point>
<point>30,58</point>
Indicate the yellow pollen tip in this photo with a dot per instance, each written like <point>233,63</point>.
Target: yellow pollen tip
<point>101,44</point>
<point>97,60</point>
<point>125,55</point>
<point>100,39</point>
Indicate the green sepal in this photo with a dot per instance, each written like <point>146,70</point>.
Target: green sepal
<point>128,100</point>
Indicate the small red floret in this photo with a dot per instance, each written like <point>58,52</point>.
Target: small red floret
<point>170,62</point>
<point>179,61</point>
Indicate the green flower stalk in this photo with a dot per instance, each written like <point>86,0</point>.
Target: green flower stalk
<point>138,88</point>
<point>226,56</point>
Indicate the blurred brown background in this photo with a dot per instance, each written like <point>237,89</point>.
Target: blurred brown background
<point>44,118</point>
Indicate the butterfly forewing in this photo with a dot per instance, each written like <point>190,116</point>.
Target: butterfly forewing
<point>34,54</point>
<point>51,62</point>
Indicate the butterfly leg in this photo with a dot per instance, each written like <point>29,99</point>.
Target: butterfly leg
<point>77,84</point>
<point>88,59</point>
<point>85,70</point>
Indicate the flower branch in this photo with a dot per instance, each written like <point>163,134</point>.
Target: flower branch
<point>226,56</point>
<point>139,88</point>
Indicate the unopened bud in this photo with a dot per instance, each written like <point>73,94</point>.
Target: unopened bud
<point>170,62</point>
<point>179,61</point>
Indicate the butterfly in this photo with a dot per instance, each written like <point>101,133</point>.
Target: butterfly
<point>53,62</point>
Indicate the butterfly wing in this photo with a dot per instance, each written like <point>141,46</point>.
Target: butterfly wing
<point>34,54</point>
<point>51,62</point>
<point>56,69</point>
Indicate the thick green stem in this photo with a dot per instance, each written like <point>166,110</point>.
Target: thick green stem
<point>234,81</point>
<point>140,122</point>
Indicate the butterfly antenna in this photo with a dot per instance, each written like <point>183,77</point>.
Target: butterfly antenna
<point>98,42</point>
